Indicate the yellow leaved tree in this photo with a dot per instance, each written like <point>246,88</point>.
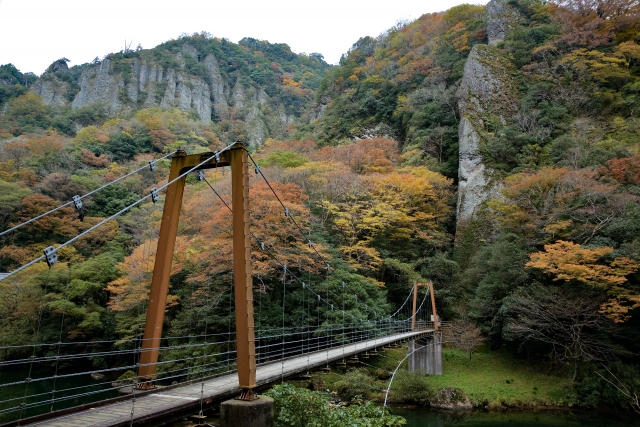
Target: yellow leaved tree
<point>569,261</point>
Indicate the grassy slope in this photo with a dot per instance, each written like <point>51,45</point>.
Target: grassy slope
<point>485,382</point>
<point>496,379</point>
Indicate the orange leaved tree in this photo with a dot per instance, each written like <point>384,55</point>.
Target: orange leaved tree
<point>569,261</point>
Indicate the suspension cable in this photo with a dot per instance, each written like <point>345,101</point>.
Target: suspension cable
<point>266,249</point>
<point>292,219</point>
<point>86,195</point>
<point>68,242</point>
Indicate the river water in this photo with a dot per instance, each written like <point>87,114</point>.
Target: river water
<point>425,417</point>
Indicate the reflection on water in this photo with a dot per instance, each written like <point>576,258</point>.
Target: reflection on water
<point>425,417</point>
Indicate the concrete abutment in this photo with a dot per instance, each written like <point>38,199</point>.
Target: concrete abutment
<point>427,359</point>
<point>247,413</point>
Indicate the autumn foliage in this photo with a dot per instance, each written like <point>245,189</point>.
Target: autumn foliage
<point>571,262</point>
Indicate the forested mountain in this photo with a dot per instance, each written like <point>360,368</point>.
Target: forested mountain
<point>491,149</point>
<point>252,90</point>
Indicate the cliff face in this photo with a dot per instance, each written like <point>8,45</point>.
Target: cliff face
<point>501,19</point>
<point>145,84</point>
<point>488,91</point>
<point>52,90</point>
<point>149,84</point>
<point>185,80</point>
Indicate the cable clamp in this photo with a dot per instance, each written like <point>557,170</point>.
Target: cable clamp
<point>262,245</point>
<point>343,284</point>
<point>217,154</point>
<point>51,256</point>
<point>318,297</point>
<point>200,176</point>
<point>310,244</point>
<point>257,168</point>
<point>77,201</point>
<point>152,165</point>
<point>304,285</point>
<point>286,211</point>
<point>154,195</point>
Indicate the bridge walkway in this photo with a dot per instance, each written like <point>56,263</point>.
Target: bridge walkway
<point>155,405</point>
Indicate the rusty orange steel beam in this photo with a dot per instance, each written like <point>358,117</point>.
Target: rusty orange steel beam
<point>236,157</point>
<point>433,306</point>
<point>415,303</point>
<point>242,273</point>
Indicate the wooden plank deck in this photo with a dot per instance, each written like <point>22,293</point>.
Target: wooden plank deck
<point>163,403</point>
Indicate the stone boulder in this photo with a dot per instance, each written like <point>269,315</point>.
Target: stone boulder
<point>451,398</point>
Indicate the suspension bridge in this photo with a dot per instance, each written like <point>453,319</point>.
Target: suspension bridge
<point>182,374</point>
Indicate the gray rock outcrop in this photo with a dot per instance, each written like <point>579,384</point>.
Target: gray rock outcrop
<point>501,18</point>
<point>487,91</point>
<point>451,398</point>
<point>59,65</point>
<point>141,82</point>
<point>99,85</point>
<point>52,90</point>
<point>318,108</point>
<point>219,91</point>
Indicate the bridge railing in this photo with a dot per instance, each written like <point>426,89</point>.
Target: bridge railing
<point>53,376</point>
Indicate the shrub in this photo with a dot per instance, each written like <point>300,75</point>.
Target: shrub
<point>381,374</point>
<point>412,387</point>
<point>353,384</point>
<point>298,407</point>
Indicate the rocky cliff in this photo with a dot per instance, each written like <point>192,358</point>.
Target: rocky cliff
<point>52,90</point>
<point>501,18</point>
<point>487,94</point>
<point>187,80</point>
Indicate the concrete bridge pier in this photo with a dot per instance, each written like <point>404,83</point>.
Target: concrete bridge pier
<point>247,413</point>
<point>429,358</point>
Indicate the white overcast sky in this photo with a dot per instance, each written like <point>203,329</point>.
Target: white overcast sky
<point>34,33</point>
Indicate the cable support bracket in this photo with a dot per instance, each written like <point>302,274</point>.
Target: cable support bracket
<point>152,165</point>
<point>200,176</point>
<point>50,256</point>
<point>154,195</point>
<point>77,201</point>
